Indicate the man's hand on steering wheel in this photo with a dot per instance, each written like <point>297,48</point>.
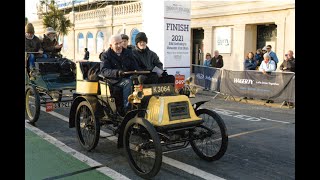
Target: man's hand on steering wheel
<point>164,73</point>
<point>121,73</point>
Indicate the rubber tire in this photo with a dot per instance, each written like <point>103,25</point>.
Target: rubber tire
<point>33,119</point>
<point>158,149</point>
<point>96,126</point>
<point>224,136</point>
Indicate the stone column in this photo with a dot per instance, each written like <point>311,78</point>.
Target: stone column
<point>207,41</point>
<point>250,39</point>
<point>290,32</point>
<point>280,41</point>
<point>238,53</point>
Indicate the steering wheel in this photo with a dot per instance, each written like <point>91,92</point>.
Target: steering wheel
<point>136,72</point>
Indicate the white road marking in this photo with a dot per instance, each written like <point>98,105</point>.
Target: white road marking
<point>234,135</point>
<point>190,169</point>
<point>177,164</point>
<point>274,120</point>
<point>105,170</point>
<point>244,117</point>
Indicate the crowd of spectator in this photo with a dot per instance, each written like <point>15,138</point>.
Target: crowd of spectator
<point>264,60</point>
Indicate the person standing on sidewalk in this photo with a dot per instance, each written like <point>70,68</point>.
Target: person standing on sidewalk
<point>267,66</point>
<point>288,65</point>
<point>207,63</point>
<point>217,60</point>
<point>273,55</point>
<point>249,62</point>
<point>86,54</point>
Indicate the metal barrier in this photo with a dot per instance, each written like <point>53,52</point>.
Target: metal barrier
<point>247,83</point>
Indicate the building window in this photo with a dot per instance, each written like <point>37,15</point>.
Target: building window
<point>90,42</point>
<point>80,42</point>
<point>100,39</point>
<point>134,32</point>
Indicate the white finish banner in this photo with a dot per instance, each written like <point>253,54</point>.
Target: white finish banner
<point>177,43</point>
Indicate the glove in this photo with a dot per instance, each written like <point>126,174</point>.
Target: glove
<point>164,73</point>
<point>120,73</point>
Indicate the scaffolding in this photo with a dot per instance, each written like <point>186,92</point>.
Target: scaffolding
<point>85,5</point>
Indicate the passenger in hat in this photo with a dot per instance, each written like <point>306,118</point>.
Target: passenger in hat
<point>125,41</point>
<point>50,44</point>
<point>33,48</point>
<point>149,60</point>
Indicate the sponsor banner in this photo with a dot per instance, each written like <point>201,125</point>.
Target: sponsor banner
<point>177,9</point>
<point>291,90</point>
<point>179,81</point>
<point>274,85</point>
<point>207,77</point>
<point>223,39</point>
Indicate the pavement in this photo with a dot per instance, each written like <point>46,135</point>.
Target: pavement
<point>259,148</point>
<point>43,160</point>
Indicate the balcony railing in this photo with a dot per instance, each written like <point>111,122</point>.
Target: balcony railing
<point>127,9</point>
<point>118,10</point>
<point>93,14</point>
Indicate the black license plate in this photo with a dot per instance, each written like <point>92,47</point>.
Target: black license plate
<point>162,89</point>
<point>62,104</point>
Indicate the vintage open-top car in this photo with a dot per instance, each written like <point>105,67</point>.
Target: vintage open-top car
<point>49,87</point>
<point>159,120</point>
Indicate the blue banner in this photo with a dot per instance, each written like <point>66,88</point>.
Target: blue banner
<point>207,77</point>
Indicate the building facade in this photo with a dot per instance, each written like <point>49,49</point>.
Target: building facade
<point>233,28</point>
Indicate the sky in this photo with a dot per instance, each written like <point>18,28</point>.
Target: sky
<point>31,9</point>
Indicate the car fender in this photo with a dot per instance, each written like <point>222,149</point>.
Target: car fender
<point>198,104</point>
<point>127,118</point>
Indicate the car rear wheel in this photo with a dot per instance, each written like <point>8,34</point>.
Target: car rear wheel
<point>211,136</point>
<point>32,104</point>
<point>87,126</point>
